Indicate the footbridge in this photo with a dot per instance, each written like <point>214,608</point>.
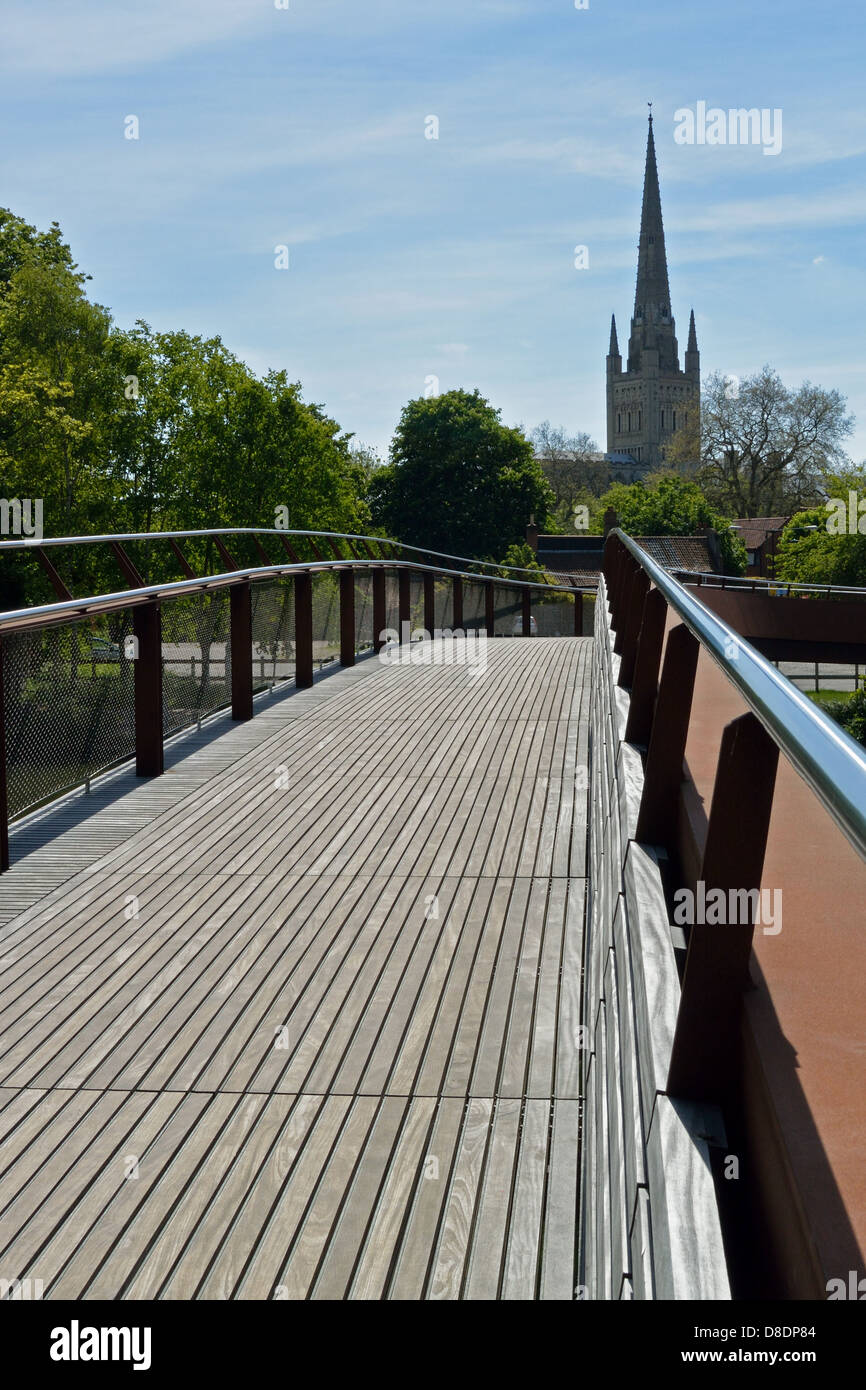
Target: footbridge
<point>378,924</point>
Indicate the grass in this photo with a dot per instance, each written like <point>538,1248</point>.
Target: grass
<point>829,697</point>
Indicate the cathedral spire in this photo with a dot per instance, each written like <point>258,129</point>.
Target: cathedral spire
<point>693,337</point>
<point>652,295</point>
<point>649,402</point>
<point>652,325</point>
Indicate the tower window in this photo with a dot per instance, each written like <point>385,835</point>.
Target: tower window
<point>675,419</point>
<point>629,422</point>
<point>619,424</point>
<point>638,419</point>
<point>663,420</point>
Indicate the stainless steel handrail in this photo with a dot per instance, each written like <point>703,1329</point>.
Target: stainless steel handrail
<point>827,759</point>
<point>70,610</point>
<point>34,543</point>
<point>757,583</point>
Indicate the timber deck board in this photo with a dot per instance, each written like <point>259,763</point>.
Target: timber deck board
<point>299,1018</point>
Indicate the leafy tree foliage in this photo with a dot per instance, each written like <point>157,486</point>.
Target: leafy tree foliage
<point>764,448</point>
<point>570,464</point>
<point>458,480</point>
<point>812,551</point>
<point>665,504</point>
<point>138,430</point>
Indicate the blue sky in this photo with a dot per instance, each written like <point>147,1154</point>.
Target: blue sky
<point>454,257</point>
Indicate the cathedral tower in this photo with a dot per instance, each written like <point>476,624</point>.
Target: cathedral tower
<point>648,401</point>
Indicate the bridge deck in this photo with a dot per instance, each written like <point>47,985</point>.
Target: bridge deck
<point>307,1026</point>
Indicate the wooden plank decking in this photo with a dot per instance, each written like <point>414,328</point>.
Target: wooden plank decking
<point>307,1024</point>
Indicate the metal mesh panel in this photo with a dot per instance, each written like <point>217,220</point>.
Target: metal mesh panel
<point>326,619</point>
<point>392,602</point>
<point>69,707</point>
<point>508,612</point>
<point>273,627</point>
<point>196,659</point>
<point>474,610</point>
<point>363,612</point>
<point>443,603</point>
<point>554,617</point>
<point>416,603</point>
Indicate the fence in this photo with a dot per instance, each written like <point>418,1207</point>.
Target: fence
<point>708,766</point>
<point>86,684</point>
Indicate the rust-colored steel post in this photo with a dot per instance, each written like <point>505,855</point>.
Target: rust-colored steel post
<point>128,569</point>
<point>404,578</point>
<point>186,567</point>
<point>290,550</point>
<point>147,690</point>
<point>625,600</point>
<point>457,615</point>
<point>663,774</point>
<point>225,554</point>
<point>526,612</point>
<point>638,591</point>
<point>578,614</point>
<point>261,552</point>
<point>303,629</point>
<point>347,617</point>
<point>610,565</point>
<point>626,567</point>
<point>429,602</point>
<point>644,686</point>
<point>704,1056</point>
<point>241,638</point>
<point>4,794</point>
<point>54,579</point>
<point>489,607</point>
<point>380,616</point>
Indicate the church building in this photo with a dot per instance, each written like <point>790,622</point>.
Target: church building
<point>648,401</point>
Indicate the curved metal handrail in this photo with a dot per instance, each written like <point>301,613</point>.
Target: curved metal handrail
<point>71,610</point>
<point>34,543</point>
<point>759,583</point>
<point>827,759</point>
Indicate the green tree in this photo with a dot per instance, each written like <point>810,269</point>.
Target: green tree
<point>665,504</point>
<point>764,448</point>
<point>458,480</point>
<point>522,556</point>
<point>812,551</point>
<point>572,466</point>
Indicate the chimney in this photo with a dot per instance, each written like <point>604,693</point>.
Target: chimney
<point>714,548</point>
<point>611,520</point>
<point>532,535</point>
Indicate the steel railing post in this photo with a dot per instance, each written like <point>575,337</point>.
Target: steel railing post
<point>303,630</point>
<point>147,689</point>
<point>4,793</point>
<point>489,607</point>
<point>663,775</point>
<point>705,1052</point>
<point>638,590</point>
<point>241,646</point>
<point>429,603</point>
<point>526,612</point>
<point>644,686</point>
